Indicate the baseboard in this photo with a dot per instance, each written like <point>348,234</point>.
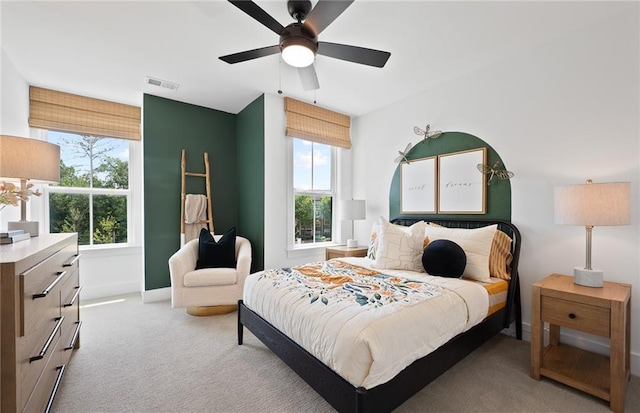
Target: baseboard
<point>583,341</point>
<point>159,294</point>
<point>111,290</point>
<point>108,290</point>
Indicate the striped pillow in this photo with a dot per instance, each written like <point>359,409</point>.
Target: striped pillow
<point>500,256</point>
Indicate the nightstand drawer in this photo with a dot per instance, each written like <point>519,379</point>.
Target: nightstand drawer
<point>577,316</point>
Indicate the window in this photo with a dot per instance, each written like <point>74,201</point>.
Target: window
<point>313,191</point>
<point>93,195</point>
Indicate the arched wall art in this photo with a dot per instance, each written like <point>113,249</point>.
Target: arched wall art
<point>451,176</point>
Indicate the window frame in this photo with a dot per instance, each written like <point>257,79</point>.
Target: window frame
<point>291,194</point>
<point>128,193</point>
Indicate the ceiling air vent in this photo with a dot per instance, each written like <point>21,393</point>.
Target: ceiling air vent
<point>162,83</point>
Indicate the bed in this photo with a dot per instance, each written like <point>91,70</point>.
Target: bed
<point>351,394</point>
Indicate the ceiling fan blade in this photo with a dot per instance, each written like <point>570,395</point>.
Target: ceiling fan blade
<point>355,54</point>
<point>324,13</point>
<point>309,77</point>
<point>250,54</point>
<point>259,14</point>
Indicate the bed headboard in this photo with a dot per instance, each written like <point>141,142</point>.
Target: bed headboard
<point>513,298</point>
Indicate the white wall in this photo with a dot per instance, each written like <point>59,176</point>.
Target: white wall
<point>104,271</point>
<point>14,103</point>
<point>557,114</point>
<point>14,115</point>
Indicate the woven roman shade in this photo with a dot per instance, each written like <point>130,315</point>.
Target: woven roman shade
<point>53,110</point>
<point>316,124</point>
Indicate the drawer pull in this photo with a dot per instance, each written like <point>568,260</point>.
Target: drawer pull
<point>75,336</point>
<point>40,356</point>
<point>73,261</point>
<point>75,297</point>
<point>572,316</point>
<point>55,387</point>
<point>50,287</point>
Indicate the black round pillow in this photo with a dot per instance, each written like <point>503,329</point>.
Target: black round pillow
<point>444,258</point>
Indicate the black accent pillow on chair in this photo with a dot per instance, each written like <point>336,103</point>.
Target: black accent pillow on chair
<point>444,258</point>
<point>220,254</point>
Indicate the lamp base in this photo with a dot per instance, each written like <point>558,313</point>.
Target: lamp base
<point>352,243</point>
<point>28,226</point>
<point>588,278</point>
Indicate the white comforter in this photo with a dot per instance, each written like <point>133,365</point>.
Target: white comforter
<point>366,341</point>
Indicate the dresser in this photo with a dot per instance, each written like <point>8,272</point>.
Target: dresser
<point>40,319</point>
<point>601,311</point>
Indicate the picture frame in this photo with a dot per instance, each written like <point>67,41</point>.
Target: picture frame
<point>461,187</point>
<point>418,186</point>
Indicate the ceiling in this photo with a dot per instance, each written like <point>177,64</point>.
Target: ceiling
<point>106,49</point>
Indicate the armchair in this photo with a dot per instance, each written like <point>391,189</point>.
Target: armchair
<point>208,291</point>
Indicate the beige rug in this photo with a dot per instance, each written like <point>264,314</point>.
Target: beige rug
<point>151,358</point>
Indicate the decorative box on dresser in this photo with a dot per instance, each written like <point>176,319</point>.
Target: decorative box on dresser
<point>40,319</point>
<point>602,311</point>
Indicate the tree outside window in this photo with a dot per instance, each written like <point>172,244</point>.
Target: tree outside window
<point>313,191</point>
<point>93,194</point>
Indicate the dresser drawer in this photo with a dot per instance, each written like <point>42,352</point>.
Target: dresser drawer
<point>43,388</point>
<point>32,362</point>
<point>71,312</point>
<point>578,316</point>
<point>40,375</point>
<point>40,314</point>
<point>69,294</point>
<point>40,327</point>
<point>43,281</point>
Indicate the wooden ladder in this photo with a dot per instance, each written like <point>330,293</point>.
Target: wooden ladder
<point>183,195</point>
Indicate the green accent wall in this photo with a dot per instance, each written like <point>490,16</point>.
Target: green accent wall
<point>170,126</point>
<point>250,133</point>
<point>498,201</point>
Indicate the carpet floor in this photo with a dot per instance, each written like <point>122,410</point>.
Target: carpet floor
<point>136,357</point>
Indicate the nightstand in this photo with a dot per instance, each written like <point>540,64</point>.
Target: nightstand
<point>604,312</point>
<point>344,251</point>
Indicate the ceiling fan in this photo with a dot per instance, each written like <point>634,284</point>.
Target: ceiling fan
<point>299,40</point>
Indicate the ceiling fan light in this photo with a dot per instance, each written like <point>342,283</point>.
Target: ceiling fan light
<point>297,55</point>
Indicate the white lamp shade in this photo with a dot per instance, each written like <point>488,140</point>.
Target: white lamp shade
<point>29,159</point>
<point>593,204</point>
<point>353,209</point>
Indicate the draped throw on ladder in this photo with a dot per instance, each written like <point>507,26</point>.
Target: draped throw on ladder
<point>195,215</point>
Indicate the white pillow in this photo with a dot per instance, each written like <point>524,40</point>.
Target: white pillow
<point>476,244</point>
<point>373,241</point>
<point>399,247</point>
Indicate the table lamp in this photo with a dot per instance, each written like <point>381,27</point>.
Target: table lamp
<point>28,160</point>
<point>353,209</point>
<point>592,205</point>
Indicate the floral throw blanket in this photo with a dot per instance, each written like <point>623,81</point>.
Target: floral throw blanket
<point>337,281</point>
<point>365,325</point>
